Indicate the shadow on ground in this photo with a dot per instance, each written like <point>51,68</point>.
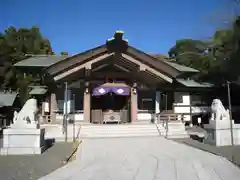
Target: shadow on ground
<point>197,138</point>
<point>26,167</point>
<point>49,143</point>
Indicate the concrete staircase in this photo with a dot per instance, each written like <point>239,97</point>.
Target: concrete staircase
<point>142,122</point>
<point>56,132</point>
<point>175,130</point>
<point>119,130</point>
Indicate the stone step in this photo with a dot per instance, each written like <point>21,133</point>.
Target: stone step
<point>56,132</point>
<point>119,132</point>
<point>120,125</point>
<point>118,136</point>
<point>117,129</point>
<point>142,122</point>
<point>83,123</point>
<point>98,131</point>
<point>175,136</point>
<point>174,131</point>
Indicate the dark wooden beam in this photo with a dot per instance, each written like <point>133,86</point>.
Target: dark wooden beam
<point>151,61</point>
<point>76,60</point>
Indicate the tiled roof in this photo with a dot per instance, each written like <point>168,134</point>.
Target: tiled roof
<point>181,67</point>
<point>38,90</point>
<point>40,61</point>
<point>192,83</point>
<point>173,63</point>
<point>7,98</point>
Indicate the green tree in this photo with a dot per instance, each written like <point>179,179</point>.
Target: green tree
<point>234,49</point>
<point>218,58</point>
<point>192,53</point>
<point>15,44</point>
<point>227,50</point>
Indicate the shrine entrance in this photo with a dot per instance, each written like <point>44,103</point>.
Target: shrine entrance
<point>110,103</point>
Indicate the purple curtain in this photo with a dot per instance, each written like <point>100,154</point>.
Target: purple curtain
<point>123,91</point>
<point>102,90</point>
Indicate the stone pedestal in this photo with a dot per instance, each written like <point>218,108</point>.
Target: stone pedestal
<point>19,141</point>
<point>219,133</point>
<point>24,136</point>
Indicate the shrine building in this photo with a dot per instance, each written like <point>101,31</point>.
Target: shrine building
<point>114,82</point>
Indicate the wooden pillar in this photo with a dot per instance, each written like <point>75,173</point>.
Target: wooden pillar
<point>53,107</point>
<point>190,106</point>
<point>157,102</point>
<point>42,108</point>
<point>86,105</point>
<point>134,104</point>
<point>42,119</point>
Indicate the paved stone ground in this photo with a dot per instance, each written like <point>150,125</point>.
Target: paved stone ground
<point>226,151</point>
<point>144,159</point>
<point>34,166</point>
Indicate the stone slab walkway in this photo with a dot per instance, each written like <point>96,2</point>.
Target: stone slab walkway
<point>144,159</point>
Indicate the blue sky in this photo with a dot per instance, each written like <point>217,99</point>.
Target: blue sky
<point>77,25</point>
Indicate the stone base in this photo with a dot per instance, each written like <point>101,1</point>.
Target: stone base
<point>21,151</point>
<point>219,133</point>
<point>23,141</point>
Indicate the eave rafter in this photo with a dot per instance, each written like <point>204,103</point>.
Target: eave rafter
<point>123,61</point>
<point>146,68</point>
<point>87,65</point>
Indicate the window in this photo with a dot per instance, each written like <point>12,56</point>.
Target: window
<point>75,99</point>
<point>197,99</point>
<point>146,100</point>
<point>147,104</point>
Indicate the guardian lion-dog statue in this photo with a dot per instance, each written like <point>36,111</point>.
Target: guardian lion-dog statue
<point>28,113</point>
<point>218,112</point>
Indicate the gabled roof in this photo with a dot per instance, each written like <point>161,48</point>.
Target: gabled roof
<point>57,64</point>
<point>119,45</point>
<point>38,90</point>
<point>181,68</point>
<point>7,98</point>
<point>101,50</point>
<point>40,61</point>
<point>193,83</point>
<point>174,64</point>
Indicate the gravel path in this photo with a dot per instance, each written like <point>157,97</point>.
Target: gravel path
<point>34,166</point>
<point>144,159</point>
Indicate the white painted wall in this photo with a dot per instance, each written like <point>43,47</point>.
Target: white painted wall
<point>144,116</point>
<point>76,117</point>
<point>183,98</point>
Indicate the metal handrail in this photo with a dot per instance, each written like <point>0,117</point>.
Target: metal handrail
<point>165,121</point>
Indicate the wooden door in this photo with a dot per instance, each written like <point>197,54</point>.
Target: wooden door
<point>97,116</point>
